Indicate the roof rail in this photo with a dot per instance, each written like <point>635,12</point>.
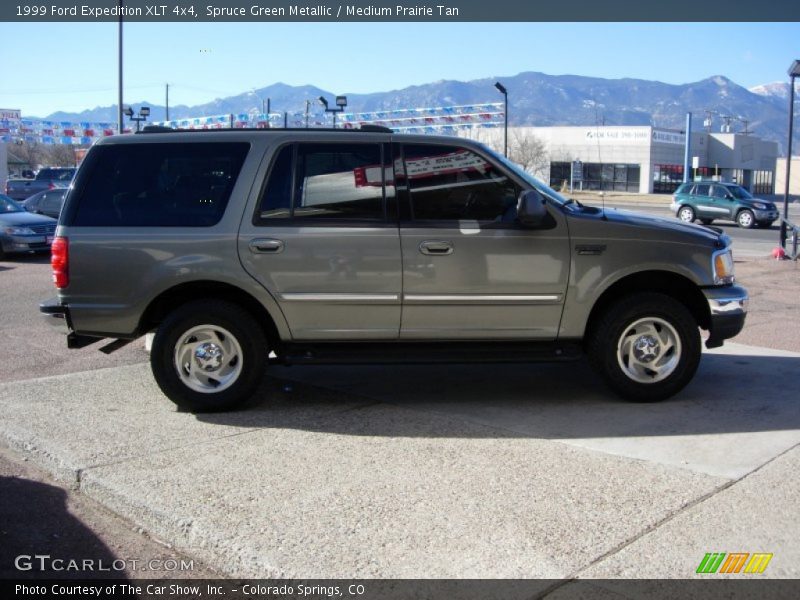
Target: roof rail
<point>362,129</point>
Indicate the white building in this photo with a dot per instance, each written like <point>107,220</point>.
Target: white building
<point>644,159</point>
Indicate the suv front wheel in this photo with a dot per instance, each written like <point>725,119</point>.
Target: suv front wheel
<point>209,356</point>
<point>646,347</point>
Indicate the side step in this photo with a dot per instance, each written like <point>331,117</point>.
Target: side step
<point>398,352</point>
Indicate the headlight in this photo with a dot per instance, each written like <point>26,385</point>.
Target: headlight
<point>723,267</point>
<point>760,205</point>
<point>19,231</point>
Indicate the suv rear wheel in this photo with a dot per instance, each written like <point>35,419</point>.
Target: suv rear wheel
<point>686,214</point>
<point>646,347</point>
<point>208,356</point>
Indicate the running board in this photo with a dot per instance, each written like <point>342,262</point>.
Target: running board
<point>398,352</point>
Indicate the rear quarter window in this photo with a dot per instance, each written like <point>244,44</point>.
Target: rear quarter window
<point>157,185</point>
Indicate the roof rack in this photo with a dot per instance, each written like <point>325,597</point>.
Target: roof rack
<point>362,129</point>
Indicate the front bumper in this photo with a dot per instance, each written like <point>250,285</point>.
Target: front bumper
<point>26,243</point>
<point>764,216</point>
<point>728,308</point>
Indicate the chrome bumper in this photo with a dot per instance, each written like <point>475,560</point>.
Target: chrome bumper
<point>728,309</point>
<point>55,315</point>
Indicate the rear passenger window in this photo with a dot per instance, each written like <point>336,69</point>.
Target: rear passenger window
<point>717,191</point>
<point>159,185</point>
<point>343,182</point>
<point>701,190</point>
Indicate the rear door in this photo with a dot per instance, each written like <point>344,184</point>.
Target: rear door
<point>324,239</point>
<point>722,202</point>
<point>469,270</point>
<point>702,201</point>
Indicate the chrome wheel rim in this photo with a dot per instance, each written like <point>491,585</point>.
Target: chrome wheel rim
<point>649,350</point>
<point>686,215</point>
<point>208,359</point>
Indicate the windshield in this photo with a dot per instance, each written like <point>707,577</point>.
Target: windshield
<point>7,205</point>
<point>740,192</point>
<point>530,179</point>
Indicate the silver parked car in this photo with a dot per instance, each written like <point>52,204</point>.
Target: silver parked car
<point>47,203</point>
<point>21,231</point>
<point>342,246</point>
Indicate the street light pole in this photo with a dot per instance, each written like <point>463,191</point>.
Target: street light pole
<point>120,121</point>
<point>502,89</point>
<point>794,71</point>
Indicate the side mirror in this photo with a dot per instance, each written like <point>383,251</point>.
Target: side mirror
<point>530,209</point>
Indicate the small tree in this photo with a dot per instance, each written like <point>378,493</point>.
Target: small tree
<point>530,153</point>
<point>31,153</point>
<point>61,155</point>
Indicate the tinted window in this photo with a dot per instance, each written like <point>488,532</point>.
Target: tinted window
<point>717,191</point>
<point>701,190</point>
<point>276,201</point>
<point>325,181</point>
<point>452,183</point>
<point>57,174</point>
<point>159,185</point>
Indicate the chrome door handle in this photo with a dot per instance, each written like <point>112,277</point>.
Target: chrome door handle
<point>266,246</point>
<point>436,248</point>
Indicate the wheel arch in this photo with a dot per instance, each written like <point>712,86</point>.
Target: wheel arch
<point>178,295</point>
<point>668,283</point>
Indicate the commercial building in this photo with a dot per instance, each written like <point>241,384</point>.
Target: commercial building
<point>641,159</point>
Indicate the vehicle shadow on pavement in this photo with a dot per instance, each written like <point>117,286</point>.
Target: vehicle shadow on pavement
<point>729,394</point>
<point>37,522</point>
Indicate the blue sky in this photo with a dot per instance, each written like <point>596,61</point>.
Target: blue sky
<point>61,66</point>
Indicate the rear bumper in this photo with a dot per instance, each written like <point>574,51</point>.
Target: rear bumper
<point>56,315</point>
<point>728,308</point>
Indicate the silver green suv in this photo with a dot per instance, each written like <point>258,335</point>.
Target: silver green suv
<point>243,248</point>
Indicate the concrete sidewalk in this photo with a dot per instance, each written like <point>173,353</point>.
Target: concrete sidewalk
<point>529,471</point>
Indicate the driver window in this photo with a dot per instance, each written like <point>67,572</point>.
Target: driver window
<point>448,183</point>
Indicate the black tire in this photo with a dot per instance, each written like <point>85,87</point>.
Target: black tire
<point>234,350</point>
<point>746,219</point>
<point>686,214</point>
<point>706,221</point>
<point>627,319</point>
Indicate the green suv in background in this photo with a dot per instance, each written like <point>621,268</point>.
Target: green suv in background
<point>728,201</point>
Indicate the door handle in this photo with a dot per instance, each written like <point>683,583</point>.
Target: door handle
<point>436,248</point>
<point>266,246</point>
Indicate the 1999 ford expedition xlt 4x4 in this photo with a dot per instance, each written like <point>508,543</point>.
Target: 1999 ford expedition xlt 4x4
<point>347,246</point>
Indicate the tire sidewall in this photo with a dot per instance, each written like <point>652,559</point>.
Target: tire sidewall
<point>241,326</point>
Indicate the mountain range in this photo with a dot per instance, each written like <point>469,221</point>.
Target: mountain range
<point>534,99</point>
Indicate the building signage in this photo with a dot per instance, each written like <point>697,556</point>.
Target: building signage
<point>616,135</point>
<point>669,137</point>
<point>10,114</point>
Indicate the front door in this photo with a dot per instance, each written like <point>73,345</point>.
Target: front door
<point>469,270</point>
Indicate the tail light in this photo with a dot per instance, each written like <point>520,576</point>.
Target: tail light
<point>51,186</point>
<point>59,261</point>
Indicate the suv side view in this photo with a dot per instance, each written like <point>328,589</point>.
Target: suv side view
<point>727,201</point>
<point>343,246</point>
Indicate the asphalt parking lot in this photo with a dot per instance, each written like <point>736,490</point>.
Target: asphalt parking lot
<point>512,471</point>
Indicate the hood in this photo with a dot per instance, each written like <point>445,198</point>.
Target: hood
<point>667,226</point>
<point>24,219</point>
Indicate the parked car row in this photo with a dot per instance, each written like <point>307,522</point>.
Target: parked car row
<point>22,231</point>
<point>46,179</point>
